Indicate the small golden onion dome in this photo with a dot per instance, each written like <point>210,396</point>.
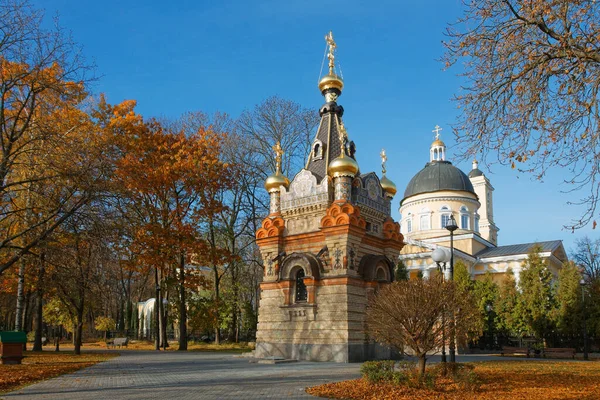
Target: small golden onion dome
<point>274,181</point>
<point>331,81</point>
<point>343,166</point>
<point>437,142</point>
<point>388,186</point>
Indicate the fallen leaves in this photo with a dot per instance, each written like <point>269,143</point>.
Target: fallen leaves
<point>45,365</point>
<point>500,379</point>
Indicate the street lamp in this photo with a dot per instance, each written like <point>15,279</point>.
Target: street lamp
<point>451,227</point>
<point>585,338</point>
<point>441,256</point>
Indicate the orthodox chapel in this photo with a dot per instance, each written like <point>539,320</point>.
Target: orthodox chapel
<point>328,242</point>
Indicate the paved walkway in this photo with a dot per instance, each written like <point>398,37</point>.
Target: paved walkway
<point>192,375</point>
<point>196,375</point>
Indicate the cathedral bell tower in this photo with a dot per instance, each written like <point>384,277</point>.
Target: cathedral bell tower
<point>328,242</point>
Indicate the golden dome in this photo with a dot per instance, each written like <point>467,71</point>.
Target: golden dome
<point>331,81</point>
<point>343,166</point>
<point>388,186</point>
<point>274,181</point>
<point>437,142</point>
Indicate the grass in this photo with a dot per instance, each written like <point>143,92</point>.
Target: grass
<point>38,366</point>
<point>545,380</point>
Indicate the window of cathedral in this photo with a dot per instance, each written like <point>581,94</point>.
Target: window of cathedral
<point>464,217</point>
<point>476,223</point>
<point>317,153</point>
<point>445,216</point>
<point>409,223</point>
<point>380,274</point>
<point>301,293</point>
<point>424,222</point>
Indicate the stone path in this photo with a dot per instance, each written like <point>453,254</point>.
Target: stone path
<point>193,375</point>
<point>196,375</point>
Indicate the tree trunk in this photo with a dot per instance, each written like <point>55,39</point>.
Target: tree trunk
<point>57,338</point>
<point>182,306</point>
<point>218,320</point>
<point>20,296</point>
<point>422,361</point>
<point>37,345</point>
<point>163,325</point>
<point>78,331</point>
<point>157,311</point>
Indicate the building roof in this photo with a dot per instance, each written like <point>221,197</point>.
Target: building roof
<point>438,175</point>
<point>522,248</point>
<point>475,172</point>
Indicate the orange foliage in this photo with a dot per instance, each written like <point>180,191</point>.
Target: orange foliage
<point>500,380</point>
<point>40,366</point>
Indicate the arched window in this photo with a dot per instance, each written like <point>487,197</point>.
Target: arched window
<point>464,217</point>
<point>316,150</point>
<point>380,274</point>
<point>477,223</point>
<point>301,294</point>
<point>445,216</point>
<point>425,219</point>
<point>409,223</point>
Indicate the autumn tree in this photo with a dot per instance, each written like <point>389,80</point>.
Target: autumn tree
<point>170,180</point>
<point>42,93</point>
<point>401,273</point>
<point>531,73</point>
<point>410,314</point>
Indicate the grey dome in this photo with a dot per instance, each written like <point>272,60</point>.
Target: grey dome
<point>438,175</point>
<point>475,172</point>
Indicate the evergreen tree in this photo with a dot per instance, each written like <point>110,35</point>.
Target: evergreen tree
<point>567,314</point>
<point>537,293</point>
<point>401,272</point>
<point>508,307</point>
<point>486,293</point>
<point>462,277</point>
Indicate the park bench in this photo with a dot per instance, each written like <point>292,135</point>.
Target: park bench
<point>559,352</point>
<point>117,342</point>
<point>517,351</point>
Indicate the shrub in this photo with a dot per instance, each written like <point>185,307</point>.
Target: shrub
<point>377,371</point>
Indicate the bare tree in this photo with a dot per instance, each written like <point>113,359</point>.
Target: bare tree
<point>587,256</point>
<point>530,99</point>
<point>414,314</point>
<point>278,120</point>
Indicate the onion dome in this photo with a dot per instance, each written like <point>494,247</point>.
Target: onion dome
<point>388,186</point>
<point>274,181</point>
<point>331,81</point>
<point>343,166</point>
<point>475,172</point>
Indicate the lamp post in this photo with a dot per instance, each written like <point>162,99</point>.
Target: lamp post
<point>440,257</point>
<point>451,227</point>
<point>585,338</point>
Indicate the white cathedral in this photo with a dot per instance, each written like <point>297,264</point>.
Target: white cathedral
<point>439,191</point>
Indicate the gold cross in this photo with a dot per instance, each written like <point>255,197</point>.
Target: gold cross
<point>278,153</point>
<point>437,132</point>
<point>383,160</point>
<point>332,46</point>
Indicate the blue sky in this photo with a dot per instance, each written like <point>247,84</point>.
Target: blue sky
<point>227,56</point>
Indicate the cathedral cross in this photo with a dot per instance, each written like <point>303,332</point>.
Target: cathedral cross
<point>331,56</point>
<point>278,153</point>
<point>383,160</point>
<point>437,132</point>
